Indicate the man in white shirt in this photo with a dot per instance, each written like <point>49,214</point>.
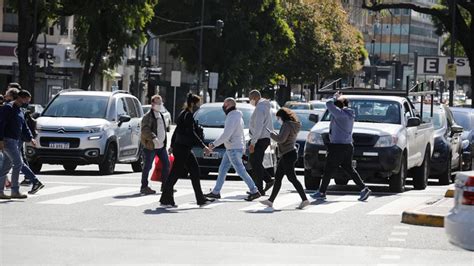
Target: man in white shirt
<point>233,140</point>
<point>153,138</point>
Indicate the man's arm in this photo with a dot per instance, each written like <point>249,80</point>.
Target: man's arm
<point>257,131</point>
<point>282,135</point>
<point>3,120</point>
<point>333,109</point>
<point>146,130</point>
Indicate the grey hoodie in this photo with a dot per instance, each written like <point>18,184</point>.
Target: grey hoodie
<point>260,120</point>
<point>341,125</point>
<point>286,138</point>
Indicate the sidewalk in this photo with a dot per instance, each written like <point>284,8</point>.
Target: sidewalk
<point>431,213</point>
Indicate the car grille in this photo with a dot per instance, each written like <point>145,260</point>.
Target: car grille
<point>73,142</point>
<point>360,140</point>
<point>63,129</point>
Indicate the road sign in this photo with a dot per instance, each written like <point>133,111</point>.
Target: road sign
<point>213,80</point>
<point>436,65</point>
<point>450,72</point>
<point>175,78</point>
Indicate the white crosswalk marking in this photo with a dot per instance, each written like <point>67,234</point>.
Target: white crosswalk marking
<point>399,205</point>
<point>149,199</point>
<point>280,202</point>
<point>238,195</point>
<point>90,196</point>
<point>333,206</point>
<point>55,190</point>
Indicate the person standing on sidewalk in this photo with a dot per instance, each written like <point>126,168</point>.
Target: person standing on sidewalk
<point>186,135</point>
<point>12,129</point>
<point>153,139</point>
<point>260,120</point>
<point>233,140</point>
<point>340,149</point>
<point>286,139</point>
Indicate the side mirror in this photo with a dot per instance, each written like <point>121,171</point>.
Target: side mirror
<point>35,115</point>
<point>313,118</point>
<point>123,118</point>
<point>413,122</point>
<point>456,129</point>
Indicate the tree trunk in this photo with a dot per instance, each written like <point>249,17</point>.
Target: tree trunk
<point>89,71</point>
<point>24,36</point>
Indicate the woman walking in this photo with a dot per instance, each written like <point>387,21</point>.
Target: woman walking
<point>186,135</point>
<point>286,140</point>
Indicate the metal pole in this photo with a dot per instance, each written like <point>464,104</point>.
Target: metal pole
<point>34,51</point>
<point>204,94</point>
<point>174,105</point>
<point>136,82</point>
<point>453,43</point>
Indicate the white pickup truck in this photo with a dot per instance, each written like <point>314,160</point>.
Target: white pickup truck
<point>390,142</point>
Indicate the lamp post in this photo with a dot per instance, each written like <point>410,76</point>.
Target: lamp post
<point>204,92</point>
<point>453,29</point>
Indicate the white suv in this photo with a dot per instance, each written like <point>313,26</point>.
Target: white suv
<point>88,127</point>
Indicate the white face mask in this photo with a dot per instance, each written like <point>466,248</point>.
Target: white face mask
<point>253,102</point>
<point>156,107</point>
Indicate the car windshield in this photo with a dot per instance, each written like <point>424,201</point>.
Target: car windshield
<point>463,119</point>
<point>83,106</point>
<point>306,125</point>
<point>213,116</point>
<point>438,119</point>
<point>319,105</point>
<point>299,106</point>
<point>373,111</point>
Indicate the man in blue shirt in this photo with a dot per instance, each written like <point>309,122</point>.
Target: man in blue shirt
<point>13,129</point>
<point>340,149</point>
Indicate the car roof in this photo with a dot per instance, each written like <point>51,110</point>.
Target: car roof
<point>462,109</point>
<point>307,111</point>
<point>376,97</point>
<point>95,93</point>
<point>219,104</point>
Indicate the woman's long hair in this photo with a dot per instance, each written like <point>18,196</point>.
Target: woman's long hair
<point>191,100</point>
<point>287,115</point>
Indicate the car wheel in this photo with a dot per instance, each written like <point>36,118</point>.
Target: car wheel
<point>445,177</point>
<point>341,181</point>
<point>138,165</point>
<point>35,167</point>
<point>70,167</point>
<point>397,181</point>
<point>422,173</point>
<point>107,167</point>
<point>311,182</point>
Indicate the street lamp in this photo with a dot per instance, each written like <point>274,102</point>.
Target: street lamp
<point>453,29</point>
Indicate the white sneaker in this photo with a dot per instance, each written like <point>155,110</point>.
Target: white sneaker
<point>303,204</point>
<point>267,203</point>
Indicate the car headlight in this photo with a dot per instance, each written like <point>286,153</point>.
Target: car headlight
<point>96,129</point>
<point>315,138</point>
<point>386,141</point>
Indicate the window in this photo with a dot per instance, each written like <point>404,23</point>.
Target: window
<point>121,107</point>
<point>10,20</point>
<point>82,106</point>
<point>63,26</point>
<point>131,107</point>
<point>373,111</point>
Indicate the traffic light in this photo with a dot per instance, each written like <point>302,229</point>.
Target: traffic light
<point>219,27</point>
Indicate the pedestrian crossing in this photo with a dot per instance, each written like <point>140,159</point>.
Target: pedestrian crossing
<point>129,197</point>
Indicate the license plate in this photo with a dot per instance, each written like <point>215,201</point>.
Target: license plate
<point>59,145</point>
<point>212,155</point>
<point>354,164</point>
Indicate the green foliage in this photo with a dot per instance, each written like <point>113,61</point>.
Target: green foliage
<point>255,33</point>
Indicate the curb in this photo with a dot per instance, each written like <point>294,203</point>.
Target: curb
<point>420,218</point>
<point>449,193</point>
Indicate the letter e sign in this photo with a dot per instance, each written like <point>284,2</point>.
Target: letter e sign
<point>431,65</point>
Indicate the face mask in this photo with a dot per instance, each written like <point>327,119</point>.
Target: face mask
<point>280,121</point>
<point>253,102</point>
<point>25,105</point>
<point>157,107</point>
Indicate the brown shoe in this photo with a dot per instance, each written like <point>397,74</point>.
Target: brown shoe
<point>18,195</point>
<point>4,196</point>
<point>147,191</point>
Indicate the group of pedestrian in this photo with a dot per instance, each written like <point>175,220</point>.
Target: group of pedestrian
<point>14,131</point>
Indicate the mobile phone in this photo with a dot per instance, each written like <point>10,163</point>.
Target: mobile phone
<point>268,129</point>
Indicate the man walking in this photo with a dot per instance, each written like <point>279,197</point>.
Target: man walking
<point>260,120</point>
<point>233,140</point>
<point>13,129</point>
<point>153,138</point>
<point>340,149</point>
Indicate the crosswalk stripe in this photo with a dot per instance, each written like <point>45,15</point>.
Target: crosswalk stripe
<point>397,206</point>
<point>56,190</point>
<point>90,196</point>
<point>333,206</point>
<point>149,199</point>
<point>238,195</point>
<point>280,202</point>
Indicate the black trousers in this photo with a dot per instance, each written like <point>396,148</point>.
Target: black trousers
<point>259,174</point>
<point>184,162</point>
<point>340,155</point>
<point>286,166</point>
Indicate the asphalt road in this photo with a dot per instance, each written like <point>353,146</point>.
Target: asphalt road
<point>90,219</point>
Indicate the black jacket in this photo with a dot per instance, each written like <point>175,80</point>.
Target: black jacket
<point>186,133</point>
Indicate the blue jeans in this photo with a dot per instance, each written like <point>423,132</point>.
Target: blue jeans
<point>149,156</point>
<point>233,157</point>
<point>12,160</point>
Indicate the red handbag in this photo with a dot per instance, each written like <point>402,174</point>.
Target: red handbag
<point>156,176</point>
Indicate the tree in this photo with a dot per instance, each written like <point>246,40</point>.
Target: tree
<point>103,29</point>
<point>464,26</point>
<point>254,33</point>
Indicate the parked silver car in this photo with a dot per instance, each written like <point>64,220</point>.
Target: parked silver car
<point>88,127</point>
